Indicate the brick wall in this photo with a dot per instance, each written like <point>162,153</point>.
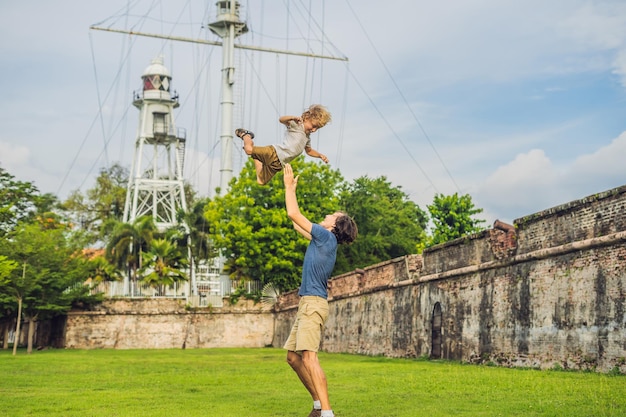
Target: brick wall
<point>597,215</point>
<point>549,291</point>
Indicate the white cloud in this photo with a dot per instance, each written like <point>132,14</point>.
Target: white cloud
<point>598,29</point>
<point>17,161</point>
<point>594,25</point>
<point>526,182</point>
<point>531,182</point>
<point>456,41</point>
<point>529,168</point>
<point>13,156</point>
<point>619,66</point>
<point>605,165</point>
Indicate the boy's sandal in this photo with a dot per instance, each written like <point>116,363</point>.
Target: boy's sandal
<point>243,132</point>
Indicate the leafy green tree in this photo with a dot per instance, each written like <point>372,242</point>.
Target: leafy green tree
<point>6,267</point>
<point>100,204</point>
<point>249,225</point>
<point>127,242</point>
<point>453,217</point>
<point>19,201</point>
<point>7,303</point>
<point>390,225</point>
<point>51,271</point>
<point>162,265</point>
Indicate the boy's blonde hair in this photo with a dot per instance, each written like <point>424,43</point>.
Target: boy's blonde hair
<point>317,114</point>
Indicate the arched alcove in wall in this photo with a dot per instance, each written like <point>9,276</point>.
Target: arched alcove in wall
<point>436,339</point>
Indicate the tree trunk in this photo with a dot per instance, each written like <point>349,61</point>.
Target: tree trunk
<point>31,332</point>
<point>192,272</point>
<point>16,339</point>
<point>133,281</point>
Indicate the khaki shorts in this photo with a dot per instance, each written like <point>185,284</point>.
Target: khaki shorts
<point>306,333</point>
<point>271,164</point>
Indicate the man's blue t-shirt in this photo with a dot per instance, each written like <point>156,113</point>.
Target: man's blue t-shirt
<point>319,262</point>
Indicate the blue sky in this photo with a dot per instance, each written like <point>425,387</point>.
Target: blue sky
<point>521,104</point>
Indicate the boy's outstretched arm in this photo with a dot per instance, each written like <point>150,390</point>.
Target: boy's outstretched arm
<point>315,154</point>
<point>291,202</point>
<point>286,119</point>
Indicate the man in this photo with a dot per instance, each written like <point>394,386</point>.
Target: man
<point>319,262</point>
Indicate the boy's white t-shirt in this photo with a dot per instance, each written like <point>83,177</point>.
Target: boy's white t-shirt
<point>294,143</point>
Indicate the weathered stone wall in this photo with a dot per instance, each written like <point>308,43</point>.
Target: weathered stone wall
<point>550,291</point>
<point>163,324</point>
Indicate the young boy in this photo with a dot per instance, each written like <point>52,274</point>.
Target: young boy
<point>319,261</point>
<point>268,160</point>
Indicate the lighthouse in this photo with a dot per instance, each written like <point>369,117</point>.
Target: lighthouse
<point>155,186</point>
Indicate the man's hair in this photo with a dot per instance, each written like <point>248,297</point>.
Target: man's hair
<point>345,229</point>
<point>317,114</point>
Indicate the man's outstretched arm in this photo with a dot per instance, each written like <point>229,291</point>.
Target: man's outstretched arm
<point>291,202</point>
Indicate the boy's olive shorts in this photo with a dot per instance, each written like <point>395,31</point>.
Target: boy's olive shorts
<point>271,164</point>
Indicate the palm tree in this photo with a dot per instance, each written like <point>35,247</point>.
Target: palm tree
<point>162,265</point>
<point>102,270</point>
<point>199,231</point>
<point>127,242</point>
<point>193,234</point>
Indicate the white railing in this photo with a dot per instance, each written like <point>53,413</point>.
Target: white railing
<point>249,286</point>
<point>206,292</point>
<point>121,289</point>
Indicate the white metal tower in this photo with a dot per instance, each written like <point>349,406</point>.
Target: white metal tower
<point>228,27</point>
<point>155,186</point>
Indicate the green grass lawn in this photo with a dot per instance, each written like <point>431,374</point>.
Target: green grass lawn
<point>258,382</point>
